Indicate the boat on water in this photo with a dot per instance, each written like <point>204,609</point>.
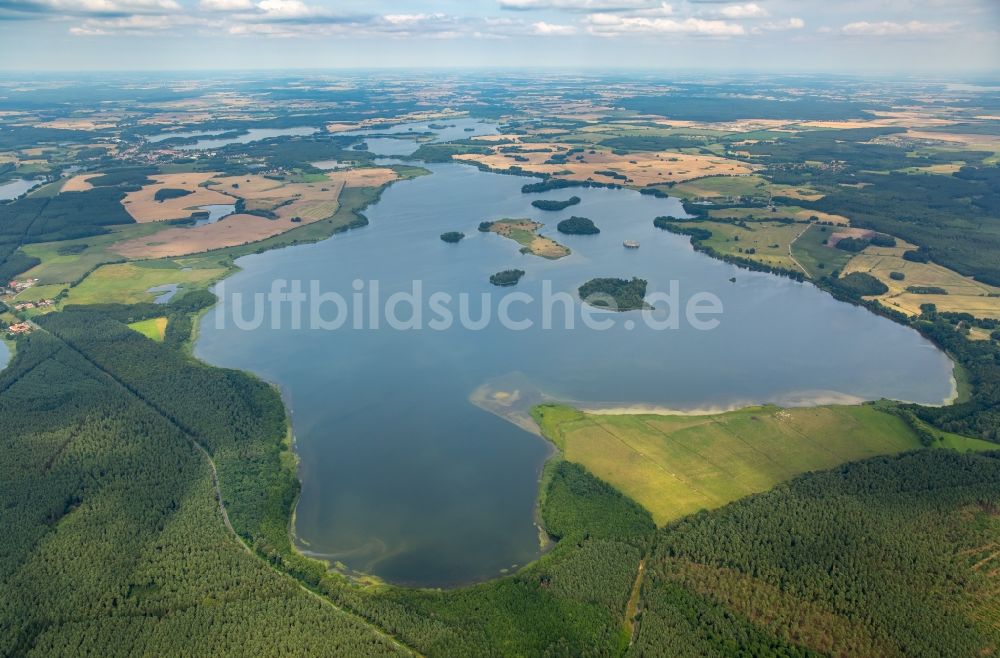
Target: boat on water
<point>630,244</point>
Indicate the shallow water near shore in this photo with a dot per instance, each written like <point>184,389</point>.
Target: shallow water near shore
<point>406,474</point>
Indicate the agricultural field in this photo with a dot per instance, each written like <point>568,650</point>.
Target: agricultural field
<point>639,168</point>
<point>677,465</point>
<point>144,206</point>
<point>761,241</point>
<point>129,283</point>
<point>712,187</point>
<point>814,256</point>
<point>153,328</point>
<point>962,294</point>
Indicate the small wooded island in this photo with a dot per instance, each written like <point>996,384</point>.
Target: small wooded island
<point>627,295</point>
<point>549,204</point>
<point>577,226</point>
<point>169,193</point>
<point>525,233</point>
<point>506,277</point>
<point>452,236</point>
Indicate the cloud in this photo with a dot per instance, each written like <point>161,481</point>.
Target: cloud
<point>285,9</point>
<point>548,29</point>
<point>888,28</point>
<point>749,10</point>
<point>130,25</point>
<point>225,5</point>
<point>777,26</point>
<point>578,5</point>
<point>614,25</point>
<point>120,8</point>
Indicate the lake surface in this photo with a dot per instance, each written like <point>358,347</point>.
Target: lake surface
<point>252,135</point>
<point>4,355</point>
<point>216,211</point>
<point>408,133</point>
<point>15,188</point>
<point>404,477</point>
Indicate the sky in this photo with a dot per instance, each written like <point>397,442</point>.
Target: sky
<point>943,37</point>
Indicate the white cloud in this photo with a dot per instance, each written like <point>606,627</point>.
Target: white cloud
<point>776,26</point>
<point>888,28</point>
<point>225,5</point>
<point>614,25</point>
<point>578,5</point>
<point>281,9</point>
<point>549,29</point>
<point>103,7</point>
<point>129,25</point>
<point>749,10</point>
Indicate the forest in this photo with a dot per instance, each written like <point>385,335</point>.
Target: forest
<point>109,485</point>
<point>615,294</point>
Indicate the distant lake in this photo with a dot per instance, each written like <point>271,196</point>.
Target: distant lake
<point>251,135</point>
<point>404,477</point>
<point>4,355</point>
<point>406,143</point>
<point>15,188</point>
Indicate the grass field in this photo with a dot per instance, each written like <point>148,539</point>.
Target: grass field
<point>677,465</point>
<point>722,186</point>
<point>153,328</point>
<point>128,283</point>
<point>770,240</point>
<point>60,266</point>
<point>814,256</point>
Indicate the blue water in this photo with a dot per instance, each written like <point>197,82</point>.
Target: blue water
<point>15,188</point>
<point>404,477</point>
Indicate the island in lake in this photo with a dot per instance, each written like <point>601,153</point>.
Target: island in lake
<point>506,277</point>
<point>452,236</point>
<point>626,295</point>
<point>577,226</point>
<point>549,204</point>
<point>525,233</point>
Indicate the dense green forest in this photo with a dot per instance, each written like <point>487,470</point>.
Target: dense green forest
<point>114,541</point>
<point>552,204</point>
<point>63,217</point>
<point>577,226</point>
<point>615,294</point>
<point>118,544</point>
<point>506,277</point>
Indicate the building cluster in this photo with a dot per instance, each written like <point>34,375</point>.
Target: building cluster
<point>20,328</point>
<point>41,303</point>
<point>18,286</point>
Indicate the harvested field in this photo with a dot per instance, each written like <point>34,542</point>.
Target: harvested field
<point>965,295</point>
<point>363,177</point>
<point>231,231</point>
<point>79,183</point>
<point>144,207</point>
<point>639,168</point>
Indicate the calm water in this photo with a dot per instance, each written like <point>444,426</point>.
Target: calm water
<point>17,187</point>
<point>406,142</point>
<point>406,478</point>
<point>252,135</point>
<point>216,211</point>
<point>4,355</point>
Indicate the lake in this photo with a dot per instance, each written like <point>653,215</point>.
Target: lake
<point>4,355</point>
<point>251,135</point>
<point>15,188</point>
<point>405,477</point>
